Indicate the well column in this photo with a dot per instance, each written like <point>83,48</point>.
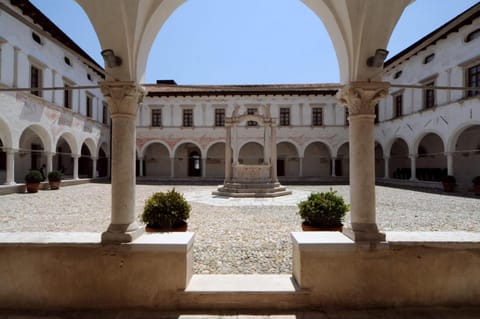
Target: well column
<point>123,99</point>
<point>360,98</point>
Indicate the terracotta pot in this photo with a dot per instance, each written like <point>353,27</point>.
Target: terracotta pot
<point>307,227</point>
<point>448,187</point>
<point>54,184</point>
<point>33,187</point>
<point>180,228</point>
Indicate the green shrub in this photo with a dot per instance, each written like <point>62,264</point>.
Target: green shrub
<point>55,176</point>
<point>323,209</point>
<point>166,210</point>
<point>33,176</point>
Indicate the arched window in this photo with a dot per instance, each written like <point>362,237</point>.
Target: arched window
<point>397,74</point>
<point>429,58</point>
<point>473,35</point>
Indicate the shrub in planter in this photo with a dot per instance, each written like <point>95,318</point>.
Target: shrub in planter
<point>166,210</point>
<point>323,210</point>
<point>476,185</point>
<point>33,179</point>
<point>54,179</point>
<point>449,182</point>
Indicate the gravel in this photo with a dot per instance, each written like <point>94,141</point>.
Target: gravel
<point>234,235</point>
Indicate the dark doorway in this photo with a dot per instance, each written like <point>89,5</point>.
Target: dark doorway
<point>280,167</point>
<point>338,168</point>
<point>194,164</point>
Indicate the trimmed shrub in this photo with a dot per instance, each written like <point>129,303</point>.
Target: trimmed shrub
<point>166,210</point>
<point>323,209</point>
<point>55,176</point>
<point>33,176</point>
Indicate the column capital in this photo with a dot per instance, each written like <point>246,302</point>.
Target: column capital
<point>361,97</point>
<point>123,97</point>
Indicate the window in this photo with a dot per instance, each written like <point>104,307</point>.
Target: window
<point>89,76</point>
<point>219,117</point>
<point>67,61</point>
<point>35,80</point>
<point>317,116</point>
<point>187,118</point>
<point>67,96</point>
<point>89,106</point>
<point>347,122</point>
<point>157,117</point>
<point>398,74</point>
<point>251,111</point>
<point>397,105</point>
<point>376,114</point>
<point>429,96</point>
<point>104,113</point>
<point>473,80</point>
<point>284,116</point>
<point>429,58</point>
<point>473,35</point>
<point>37,38</point>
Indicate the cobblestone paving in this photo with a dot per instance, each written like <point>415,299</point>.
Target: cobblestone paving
<point>234,235</point>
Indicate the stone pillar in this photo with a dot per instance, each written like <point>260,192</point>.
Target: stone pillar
<point>75,165</point>
<point>228,149</point>
<point>10,178</point>
<point>123,99</point>
<point>360,98</point>
<point>300,168</point>
<point>140,166</point>
<point>413,167</point>
<point>172,167</point>
<point>273,151</point>
<point>94,167</point>
<point>449,163</point>
<point>387,168</point>
<point>204,167</point>
<point>334,159</point>
<point>49,162</point>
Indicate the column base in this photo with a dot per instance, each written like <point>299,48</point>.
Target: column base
<point>122,233</point>
<point>364,232</point>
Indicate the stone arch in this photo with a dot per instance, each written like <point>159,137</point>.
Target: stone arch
<point>251,153</point>
<point>92,146</point>
<point>85,162</point>
<point>421,137</point>
<point>342,162</point>
<point>288,159</point>
<point>455,134</point>
<point>65,147</point>
<point>215,163</point>
<point>70,140</point>
<point>5,134</point>
<point>399,160</point>
<point>466,156</point>
<point>187,160</point>
<point>379,160</point>
<point>316,160</point>
<point>156,157</point>
<point>103,159</point>
<point>431,163</point>
<point>141,151</point>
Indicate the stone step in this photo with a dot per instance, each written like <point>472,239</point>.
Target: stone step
<point>253,190</point>
<point>251,185</point>
<point>244,291</point>
<point>249,195</point>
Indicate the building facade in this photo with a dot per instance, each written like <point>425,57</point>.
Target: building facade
<point>423,131</point>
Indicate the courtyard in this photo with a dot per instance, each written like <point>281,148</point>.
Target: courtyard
<point>234,236</point>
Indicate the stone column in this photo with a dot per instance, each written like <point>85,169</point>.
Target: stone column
<point>360,98</point>
<point>300,168</point>
<point>273,151</point>
<point>172,167</point>
<point>449,163</point>
<point>94,167</point>
<point>50,162</point>
<point>10,178</point>
<point>123,99</point>
<point>204,167</point>
<point>140,166</point>
<point>413,167</point>
<point>334,159</point>
<point>228,149</point>
<point>75,165</point>
<point>387,168</point>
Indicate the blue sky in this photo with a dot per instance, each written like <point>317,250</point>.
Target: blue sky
<point>248,41</point>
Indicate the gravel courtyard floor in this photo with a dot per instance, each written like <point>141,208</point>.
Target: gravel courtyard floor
<point>234,235</point>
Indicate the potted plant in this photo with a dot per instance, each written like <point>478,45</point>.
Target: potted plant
<point>166,212</point>
<point>54,179</point>
<point>476,185</point>
<point>33,179</point>
<point>323,211</point>
<point>449,182</point>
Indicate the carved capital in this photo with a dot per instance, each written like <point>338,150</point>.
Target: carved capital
<point>361,97</point>
<point>123,97</point>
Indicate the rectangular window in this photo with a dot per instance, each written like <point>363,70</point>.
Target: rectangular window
<point>104,113</point>
<point>429,96</point>
<point>35,80</point>
<point>219,117</point>
<point>67,97</point>
<point>187,118</point>
<point>251,111</point>
<point>317,116</point>
<point>284,116</point>
<point>397,105</point>
<point>89,106</point>
<point>347,123</point>
<point>157,117</point>
<point>376,114</point>
<point>473,80</point>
